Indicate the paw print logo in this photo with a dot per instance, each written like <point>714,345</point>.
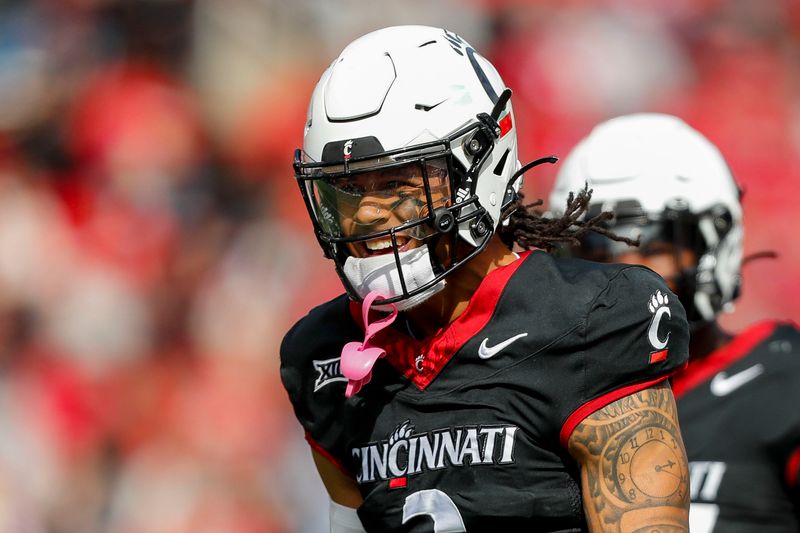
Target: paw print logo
<point>658,305</point>
<point>403,431</point>
<point>657,300</point>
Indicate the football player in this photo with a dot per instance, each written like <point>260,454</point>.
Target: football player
<point>457,385</point>
<point>739,397</point>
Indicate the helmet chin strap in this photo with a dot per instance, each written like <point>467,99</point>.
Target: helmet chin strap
<point>380,274</point>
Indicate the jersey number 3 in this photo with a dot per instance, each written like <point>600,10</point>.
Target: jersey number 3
<point>437,505</point>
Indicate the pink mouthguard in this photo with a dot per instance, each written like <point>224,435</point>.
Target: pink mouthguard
<point>359,357</point>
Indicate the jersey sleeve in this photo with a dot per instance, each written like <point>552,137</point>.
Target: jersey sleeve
<point>635,335</point>
<point>312,378</point>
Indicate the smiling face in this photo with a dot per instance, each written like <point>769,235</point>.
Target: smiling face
<point>363,204</point>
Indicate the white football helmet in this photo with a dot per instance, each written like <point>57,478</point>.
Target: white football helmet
<point>416,100</point>
<point>665,182</point>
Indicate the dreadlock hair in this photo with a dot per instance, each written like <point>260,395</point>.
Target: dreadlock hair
<point>529,228</point>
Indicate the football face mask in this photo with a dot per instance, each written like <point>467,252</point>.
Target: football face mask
<point>383,220</point>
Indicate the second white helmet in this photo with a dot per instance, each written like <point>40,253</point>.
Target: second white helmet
<point>663,179</point>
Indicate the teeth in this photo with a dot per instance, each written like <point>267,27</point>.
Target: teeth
<point>379,244</point>
<point>375,245</point>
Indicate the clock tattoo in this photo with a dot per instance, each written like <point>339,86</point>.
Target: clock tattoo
<point>633,461</point>
<point>649,465</point>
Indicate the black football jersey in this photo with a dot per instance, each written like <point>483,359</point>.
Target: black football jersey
<point>739,411</point>
<point>467,430</point>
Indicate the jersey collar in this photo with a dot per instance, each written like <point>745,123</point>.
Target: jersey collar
<point>421,361</point>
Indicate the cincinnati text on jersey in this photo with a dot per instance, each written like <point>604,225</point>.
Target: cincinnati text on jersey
<point>405,453</point>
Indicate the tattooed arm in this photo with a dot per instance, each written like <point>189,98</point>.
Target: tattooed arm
<point>634,474</point>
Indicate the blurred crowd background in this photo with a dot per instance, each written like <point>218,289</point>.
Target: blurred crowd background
<point>154,247</point>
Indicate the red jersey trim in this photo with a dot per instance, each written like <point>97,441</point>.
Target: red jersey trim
<point>579,414</point>
<point>403,351</point>
<point>793,469</point>
<point>699,372</point>
<point>325,453</point>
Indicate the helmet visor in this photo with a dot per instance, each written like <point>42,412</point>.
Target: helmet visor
<point>370,202</point>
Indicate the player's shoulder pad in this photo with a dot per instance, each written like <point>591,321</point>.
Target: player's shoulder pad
<point>636,328</point>
<point>609,330</point>
<point>324,325</point>
<point>557,291</point>
<point>783,344</point>
<point>789,332</point>
<point>314,339</point>
<point>778,394</point>
<point>310,369</point>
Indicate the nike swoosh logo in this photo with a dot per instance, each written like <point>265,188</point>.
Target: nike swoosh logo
<point>486,352</point>
<point>423,107</point>
<point>723,384</point>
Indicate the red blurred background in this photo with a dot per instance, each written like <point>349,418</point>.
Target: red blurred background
<point>154,249</point>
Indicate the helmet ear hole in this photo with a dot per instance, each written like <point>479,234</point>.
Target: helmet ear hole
<point>498,169</point>
<point>723,221</point>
